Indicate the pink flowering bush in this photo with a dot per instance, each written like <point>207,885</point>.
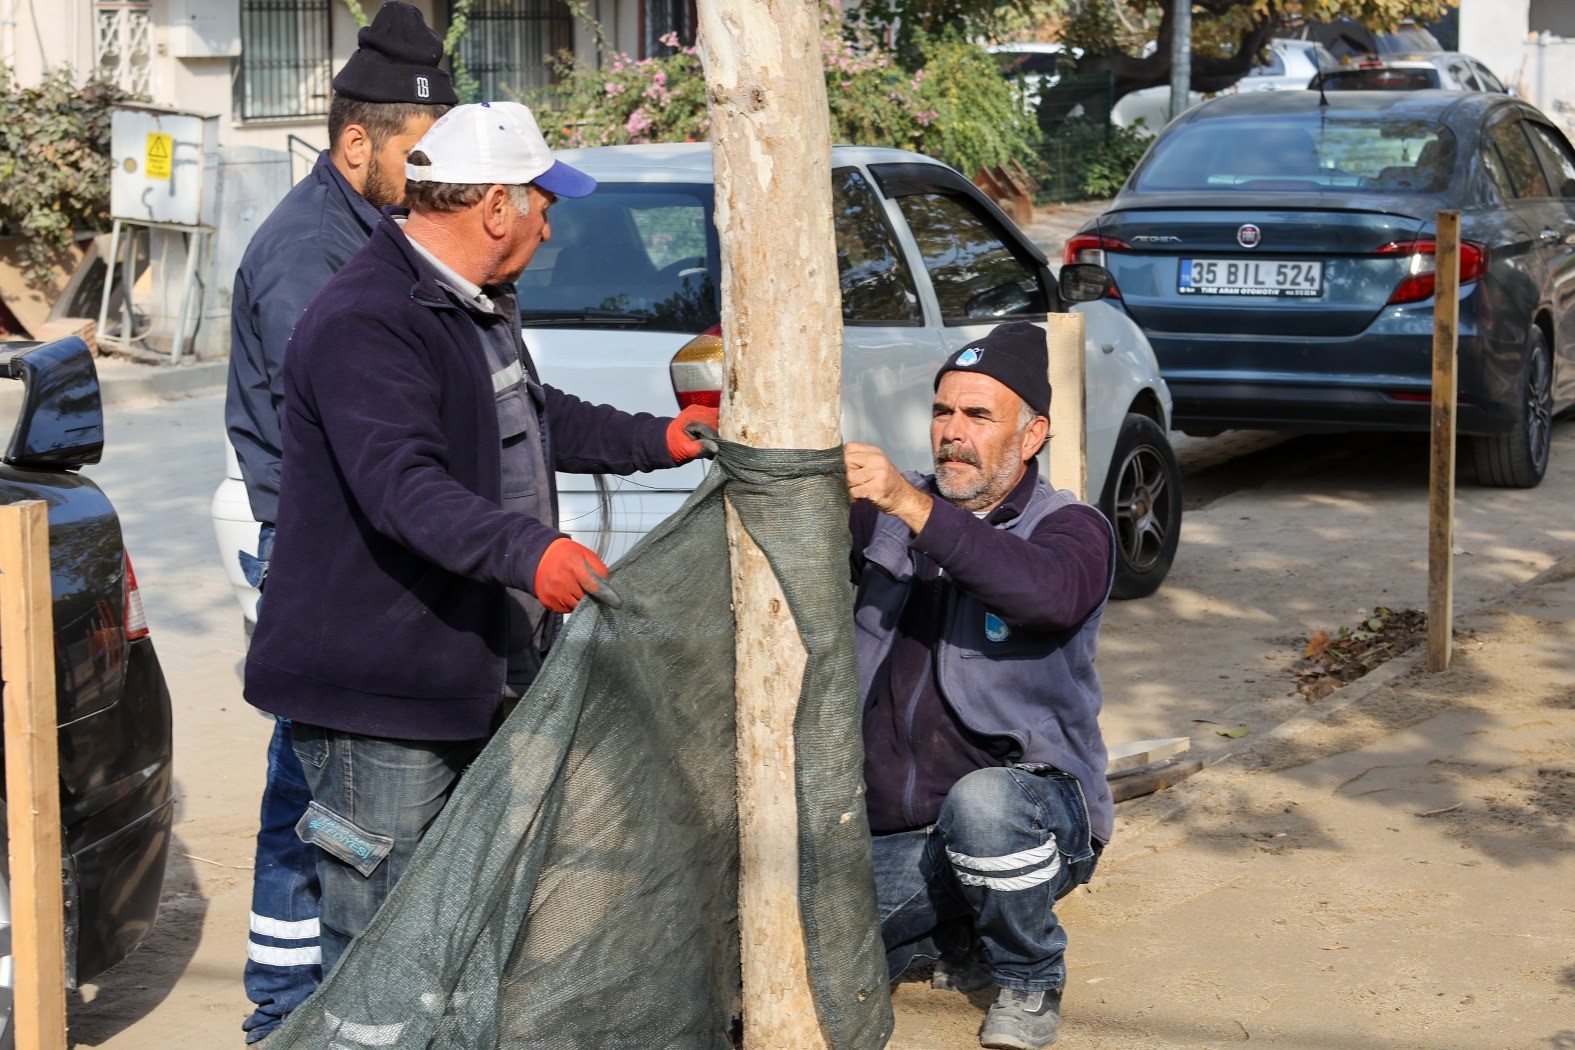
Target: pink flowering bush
<point>627,100</point>
<point>955,106</point>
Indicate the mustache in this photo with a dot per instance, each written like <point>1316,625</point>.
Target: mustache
<point>956,452</point>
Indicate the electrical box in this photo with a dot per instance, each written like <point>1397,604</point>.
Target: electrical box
<point>204,28</point>
<point>165,166</point>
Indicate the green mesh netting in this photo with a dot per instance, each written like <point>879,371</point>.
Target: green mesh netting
<point>580,889</point>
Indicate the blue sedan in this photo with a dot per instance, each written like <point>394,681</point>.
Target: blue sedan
<point>1278,251</point>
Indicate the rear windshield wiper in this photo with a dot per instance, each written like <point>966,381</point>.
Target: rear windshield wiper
<point>553,318</point>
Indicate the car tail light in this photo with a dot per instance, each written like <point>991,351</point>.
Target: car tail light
<point>1090,248</point>
<point>1421,273</point>
<point>136,621</point>
<point>697,370</point>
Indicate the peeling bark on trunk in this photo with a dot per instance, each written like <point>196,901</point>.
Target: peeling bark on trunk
<point>782,328</point>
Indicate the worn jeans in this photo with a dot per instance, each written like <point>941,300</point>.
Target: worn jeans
<point>283,960</point>
<point>1009,843</point>
<point>372,801</point>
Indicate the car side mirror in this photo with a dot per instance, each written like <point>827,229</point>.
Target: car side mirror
<point>1085,282</point>
<point>61,421</point>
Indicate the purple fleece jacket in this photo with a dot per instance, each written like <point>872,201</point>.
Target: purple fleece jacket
<point>385,608</point>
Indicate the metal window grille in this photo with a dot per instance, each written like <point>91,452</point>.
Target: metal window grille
<point>285,58</point>
<point>121,51</point>
<point>508,42</point>
<point>668,16</point>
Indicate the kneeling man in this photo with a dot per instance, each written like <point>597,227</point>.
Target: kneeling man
<point>979,596</point>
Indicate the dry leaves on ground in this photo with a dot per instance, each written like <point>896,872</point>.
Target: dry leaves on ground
<point>1330,661</point>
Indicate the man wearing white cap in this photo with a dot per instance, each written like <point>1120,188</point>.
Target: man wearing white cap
<point>418,572</point>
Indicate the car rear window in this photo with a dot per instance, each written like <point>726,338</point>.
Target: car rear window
<point>630,254</point>
<point>1301,153</point>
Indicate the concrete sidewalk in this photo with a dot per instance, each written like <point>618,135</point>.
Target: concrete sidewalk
<point>1392,870</point>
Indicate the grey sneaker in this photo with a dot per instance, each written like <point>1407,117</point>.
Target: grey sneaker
<point>960,975</point>
<point>1022,1020</point>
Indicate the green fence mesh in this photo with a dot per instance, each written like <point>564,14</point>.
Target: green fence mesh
<point>579,892</point>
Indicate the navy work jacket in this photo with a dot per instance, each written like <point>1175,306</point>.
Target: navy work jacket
<point>310,235</point>
<point>386,593</point>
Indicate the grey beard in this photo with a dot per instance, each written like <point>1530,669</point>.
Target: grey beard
<point>983,490</point>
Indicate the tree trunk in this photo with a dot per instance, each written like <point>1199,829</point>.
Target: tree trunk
<point>782,329</point>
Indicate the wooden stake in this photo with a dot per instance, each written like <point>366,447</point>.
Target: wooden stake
<point>1068,403</point>
<point>782,330</point>
<point>32,776</point>
<point>1441,488</point>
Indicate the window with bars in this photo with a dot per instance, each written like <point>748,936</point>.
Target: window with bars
<point>121,52</point>
<point>507,44</point>
<point>662,17</point>
<point>286,58</point>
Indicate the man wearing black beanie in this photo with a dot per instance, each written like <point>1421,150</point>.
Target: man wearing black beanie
<point>979,595</point>
<point>385,98</point>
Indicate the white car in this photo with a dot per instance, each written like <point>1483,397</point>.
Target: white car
<point>1289,65</point>
<point>620,306</point>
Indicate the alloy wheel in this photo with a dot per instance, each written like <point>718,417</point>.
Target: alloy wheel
<point>1142,507</point>
<point>1539,407</point>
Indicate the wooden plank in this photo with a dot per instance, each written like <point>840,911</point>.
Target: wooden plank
<point>1441,485</point>
<point>1068,403</point>
<point>1151,780</point>
<point>1124,757</point>
<point>782,334</point>
<point>32,777</point>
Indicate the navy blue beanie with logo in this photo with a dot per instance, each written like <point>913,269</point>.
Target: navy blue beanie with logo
<point>1016,355</point>
<point>397,61</point>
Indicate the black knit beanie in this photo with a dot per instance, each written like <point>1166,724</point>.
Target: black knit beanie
<point>1015,354</point>
<point>397,61</point>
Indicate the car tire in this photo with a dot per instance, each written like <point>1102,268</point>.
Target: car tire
<point>1142,499</point>
<point>1519,459</point>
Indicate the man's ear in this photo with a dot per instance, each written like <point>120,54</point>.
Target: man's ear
<point>497,210</point>
<point>1034,435</point>
<point>355,146</point>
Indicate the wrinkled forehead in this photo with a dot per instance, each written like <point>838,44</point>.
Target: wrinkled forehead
<point>961,390</point>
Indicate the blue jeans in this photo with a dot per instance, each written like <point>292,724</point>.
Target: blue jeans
<point>283,961</point>
<point>372,801</point>
<point>1009,843</point>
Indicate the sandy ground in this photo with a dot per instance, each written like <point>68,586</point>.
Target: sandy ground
<point>1391,871</point>
<point>1389,867</point>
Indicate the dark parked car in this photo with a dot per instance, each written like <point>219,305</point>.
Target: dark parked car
<point>1278,250</point>
<point>116,792</point>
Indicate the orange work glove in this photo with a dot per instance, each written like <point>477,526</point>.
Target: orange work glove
<point>680,445</point>
<point>566,573</point>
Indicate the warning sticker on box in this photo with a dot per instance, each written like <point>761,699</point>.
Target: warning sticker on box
<point>160,149</point>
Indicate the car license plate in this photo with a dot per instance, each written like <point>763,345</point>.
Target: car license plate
<point>1250,277</point>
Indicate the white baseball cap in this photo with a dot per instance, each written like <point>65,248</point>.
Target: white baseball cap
<point>494,142</point>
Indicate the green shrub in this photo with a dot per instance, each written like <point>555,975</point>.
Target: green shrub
<point>1104,169</point>
<point>1086,162</point>
<point>54,164</point>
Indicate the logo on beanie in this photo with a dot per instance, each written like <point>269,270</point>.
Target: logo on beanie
<point>423,87</point>
<point>969,357</point>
